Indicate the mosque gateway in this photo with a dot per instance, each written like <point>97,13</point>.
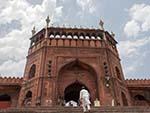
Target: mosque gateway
<point>61,60</point>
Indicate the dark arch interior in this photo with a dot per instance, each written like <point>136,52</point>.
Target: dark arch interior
<point>32,71</point>
<point>5,97</point>
<point>29,94</point>
<point>72,92</point>
<point>139,97</point>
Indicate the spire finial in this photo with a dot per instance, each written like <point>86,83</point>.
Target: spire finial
<point>33,31</point>
<point>47,21</point>
<point>101,23</point>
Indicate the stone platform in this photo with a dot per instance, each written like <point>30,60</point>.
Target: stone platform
<point>77,110</point>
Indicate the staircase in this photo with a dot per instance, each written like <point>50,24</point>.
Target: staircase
<point>136,109</point>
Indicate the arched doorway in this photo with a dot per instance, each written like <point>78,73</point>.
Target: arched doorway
<point>72,77</point>
<point>72,92</point>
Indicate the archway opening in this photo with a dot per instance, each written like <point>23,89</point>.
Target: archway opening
<point>72,76</point>
<point>72,92</point>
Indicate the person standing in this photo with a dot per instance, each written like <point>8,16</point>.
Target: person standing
<point>85,99</point>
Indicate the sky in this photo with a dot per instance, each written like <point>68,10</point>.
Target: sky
<point>128,19</point>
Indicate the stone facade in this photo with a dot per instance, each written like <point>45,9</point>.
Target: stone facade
<point>62,60</point>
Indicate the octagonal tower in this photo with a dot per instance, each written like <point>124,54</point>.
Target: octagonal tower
<point>61,60</point>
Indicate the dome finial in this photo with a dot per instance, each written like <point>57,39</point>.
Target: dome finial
<point>47,21</point>
<point>33,31</point>
<point>101,23</point>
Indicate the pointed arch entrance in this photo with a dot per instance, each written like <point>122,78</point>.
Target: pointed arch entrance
<point>72,77</point>
<point>72,91</point>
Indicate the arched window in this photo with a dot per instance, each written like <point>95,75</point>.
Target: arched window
<point>32,71</point>
<point>51,36</point>
<point>75,37</point>
<point>27,99</point>
<point>63,36</point>
<point>69,36</point>
<point>57,36</point>
<point>124,99</point>
<point>118,73</point>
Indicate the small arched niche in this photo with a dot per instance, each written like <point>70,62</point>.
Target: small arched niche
<point>118,74</point>
<point>32,71</point>
<point>28,99</point>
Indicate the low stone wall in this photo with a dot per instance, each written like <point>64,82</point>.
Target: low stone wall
<point>78,110</point>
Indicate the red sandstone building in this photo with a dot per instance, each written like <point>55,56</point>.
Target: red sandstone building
<point>62,60</point>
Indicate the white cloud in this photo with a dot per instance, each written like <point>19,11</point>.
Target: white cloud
<point>140,20</point>
<point>3,3</point>
<point>130,48</point>
<point>134,48</point>
<point>11,68</point>
<point>134,53</point>
<point>87,5</point>
<point>14,45</point>
<point>132,28</point>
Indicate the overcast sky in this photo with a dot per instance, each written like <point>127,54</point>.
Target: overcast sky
<point>128,19</point>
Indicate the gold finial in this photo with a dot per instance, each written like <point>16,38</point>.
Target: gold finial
<point>112,34</point>
<point>101,23</point>
<point>47,21</point>
<point>33,31</point>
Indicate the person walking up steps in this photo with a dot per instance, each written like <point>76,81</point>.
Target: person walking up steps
<point>85,99</point>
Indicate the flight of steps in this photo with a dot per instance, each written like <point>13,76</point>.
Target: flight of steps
<point>136,109</point>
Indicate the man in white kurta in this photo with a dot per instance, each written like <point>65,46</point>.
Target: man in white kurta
<point>85,99</point>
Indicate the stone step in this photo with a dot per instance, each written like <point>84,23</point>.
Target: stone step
<point>137,109</point>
